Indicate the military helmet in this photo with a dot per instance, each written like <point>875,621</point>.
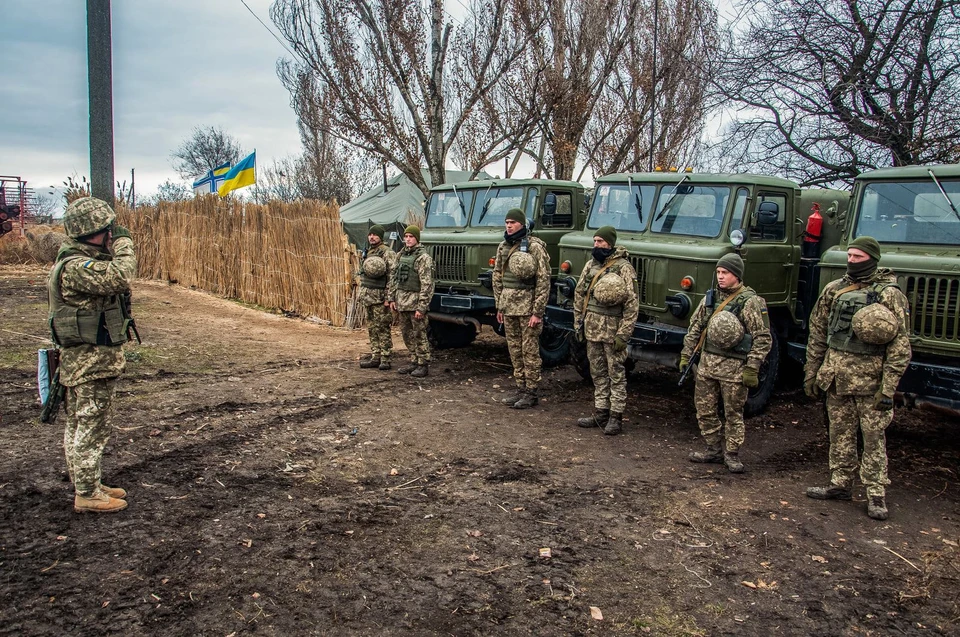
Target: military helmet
<point>725,330</point>
<point>375,267</point>
<point>522,265</point>
<point>611,289</point>
<point>86,216</point>
<point>875,324</point>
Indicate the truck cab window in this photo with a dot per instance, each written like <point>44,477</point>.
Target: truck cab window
<point>617,205</point>
<point>563,217</point>
<point>444,209</point>
<point>770,232</point>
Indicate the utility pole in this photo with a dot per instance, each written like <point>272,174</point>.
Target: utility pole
<point>100,80</point>
<point>653,78</point>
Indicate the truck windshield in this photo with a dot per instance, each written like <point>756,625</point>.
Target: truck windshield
<point>910,212</point>
<point>444,209</point>
<point>492,205</point>
<point>616,205</point>
<point>691,210</point>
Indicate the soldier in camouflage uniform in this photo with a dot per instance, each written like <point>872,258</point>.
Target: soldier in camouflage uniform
<point>858,371</point>
<point>89,321</point>
<point>606,325</point>
<point>521,287</point>
<point>411,289</point>
<point>734,341</point>
<point>374,296</point>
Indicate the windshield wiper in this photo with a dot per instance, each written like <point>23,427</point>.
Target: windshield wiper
<point>944,193</point>
<point>486,203</point>
<point>676,191</point>
<point>636,200</point>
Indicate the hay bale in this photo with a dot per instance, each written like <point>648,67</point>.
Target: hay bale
<point>43,247</point>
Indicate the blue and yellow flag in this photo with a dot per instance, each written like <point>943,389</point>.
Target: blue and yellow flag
<point>244,173</point>
<point>210,183</point>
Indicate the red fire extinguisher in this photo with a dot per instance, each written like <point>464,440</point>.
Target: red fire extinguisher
<point>811,236</point>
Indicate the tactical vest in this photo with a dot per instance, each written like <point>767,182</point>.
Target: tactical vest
<point>70,325</point>
<point>840,334</point>
<point>374,283</point>
<point>606,310</point>
<point>741,349</point>
<point>407,277</point>
<point>512,281</point>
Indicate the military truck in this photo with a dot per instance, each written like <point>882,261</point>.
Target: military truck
<point>464,224</point>
<point>675,227</point>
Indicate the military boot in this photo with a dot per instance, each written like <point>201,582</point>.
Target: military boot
<point>384,364</point>
<point>598,419</point>
<point>113,492</point>
<point>99,502</point>
<point>527,400</point>
<point>832,492</point>
<point>407,369</point>
<point>614,424</point>
<point>732,460</point>
<point>512,397</point>
<point>421,370</point>
<point>877,507</point>
<point>371,363</point>
<point>713,454</point>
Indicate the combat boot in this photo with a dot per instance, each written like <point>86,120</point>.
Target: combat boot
<point>713,455</point>
<point>384,364</point>
<point>598,419</point>
<point>421,371</point>
<point>877,507</point>
<point>113,492</point>
<point>732,460</point>
<point>99,502</point>
<point>371,363</point>
<point>832,492</point>
<point>527,400</point>
<point>512,397</point>
<point>614,424</point>
<point>407,369</point>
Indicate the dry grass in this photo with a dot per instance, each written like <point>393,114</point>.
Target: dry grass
<point>38,247</point>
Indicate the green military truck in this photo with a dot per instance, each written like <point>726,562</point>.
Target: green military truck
<point>675,227</point>
<point>464,224</point>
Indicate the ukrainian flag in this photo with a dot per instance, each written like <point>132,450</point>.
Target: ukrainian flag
<point>242,174</point>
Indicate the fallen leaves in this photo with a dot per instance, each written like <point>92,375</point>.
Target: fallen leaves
<point>761,585</point>
<point>819,558</point>
<point>596,614</point>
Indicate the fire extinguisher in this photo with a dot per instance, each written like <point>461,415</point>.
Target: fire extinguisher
<point>811,236</point>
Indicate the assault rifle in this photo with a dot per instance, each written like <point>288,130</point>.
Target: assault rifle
<point>51,406</point>
<point>695,357</point>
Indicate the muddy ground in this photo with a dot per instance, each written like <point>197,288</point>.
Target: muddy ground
<point>275,488</point>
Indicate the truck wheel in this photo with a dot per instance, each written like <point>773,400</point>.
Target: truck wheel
<point>759,396</point>
<point>554,346</point>
<point>450,335</point>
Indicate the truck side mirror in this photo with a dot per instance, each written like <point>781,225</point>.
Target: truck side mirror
<point>549,205</point>
<point>586,200</point>
<point>768,213</point>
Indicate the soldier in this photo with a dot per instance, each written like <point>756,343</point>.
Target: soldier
<point>605,306</point>
<point>89,321</point>
<point>521,287</point>
<point>375,270</point>
<point>735,340</point>
<point>411,288</point>
<point>857,351</point>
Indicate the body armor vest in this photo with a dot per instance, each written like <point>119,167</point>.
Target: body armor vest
<point>840,334</point>
<point>605,310</point>
<point>512,281</point>
<point>407,277</point>
<point>374,283</point>
<point>106,324</point>
<point>741,349</point>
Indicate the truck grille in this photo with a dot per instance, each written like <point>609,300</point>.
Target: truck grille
<point>934,307</point>
<point>451,262</point>
<point>642,266</point>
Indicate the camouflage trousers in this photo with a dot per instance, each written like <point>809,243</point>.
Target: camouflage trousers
<point>523,343</point>
<point>847,414</point>
<point>379,318</point>
<point>707,396</point>
<point>609,377</point>
<point>87,432</point>
<point>415,337</point>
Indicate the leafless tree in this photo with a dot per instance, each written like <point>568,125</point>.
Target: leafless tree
<point>825,90</point>
<point>396,78</point>
<point>169,190</point>
<point>205,149</point>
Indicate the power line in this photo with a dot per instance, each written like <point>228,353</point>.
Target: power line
<point>270,31</point>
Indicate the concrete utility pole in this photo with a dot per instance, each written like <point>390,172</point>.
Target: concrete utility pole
<point>100,79</point>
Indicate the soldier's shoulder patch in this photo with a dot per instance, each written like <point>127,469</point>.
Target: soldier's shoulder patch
<point>88,263</point>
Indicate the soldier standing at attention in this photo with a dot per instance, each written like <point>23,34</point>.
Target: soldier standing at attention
<point>411,289</point>
<point>857,351</point>
<point>735,337</point>
<point>89,323</point>
<point>375,270</point>
<point>605,307</point>
<point>521,287</point>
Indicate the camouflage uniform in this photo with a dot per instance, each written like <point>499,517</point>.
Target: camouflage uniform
<point>601,327</point>
<point>851,380</point>
<point>374,295</point>
<point>720,372</point>
<point>518,300</point>
<point>89,280</point>
<point>413,294</point>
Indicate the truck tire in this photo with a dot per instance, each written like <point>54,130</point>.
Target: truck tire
<point>554,346</point>
<point>759,396</point>
<point>444,335</point>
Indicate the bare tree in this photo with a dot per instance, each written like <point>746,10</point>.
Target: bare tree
<point>396,78</point>
<point>169,190</point>
<point>205,149</point>
<point>825,90</point>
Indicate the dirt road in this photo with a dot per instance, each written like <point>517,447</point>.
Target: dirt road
<point>276,488</point>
